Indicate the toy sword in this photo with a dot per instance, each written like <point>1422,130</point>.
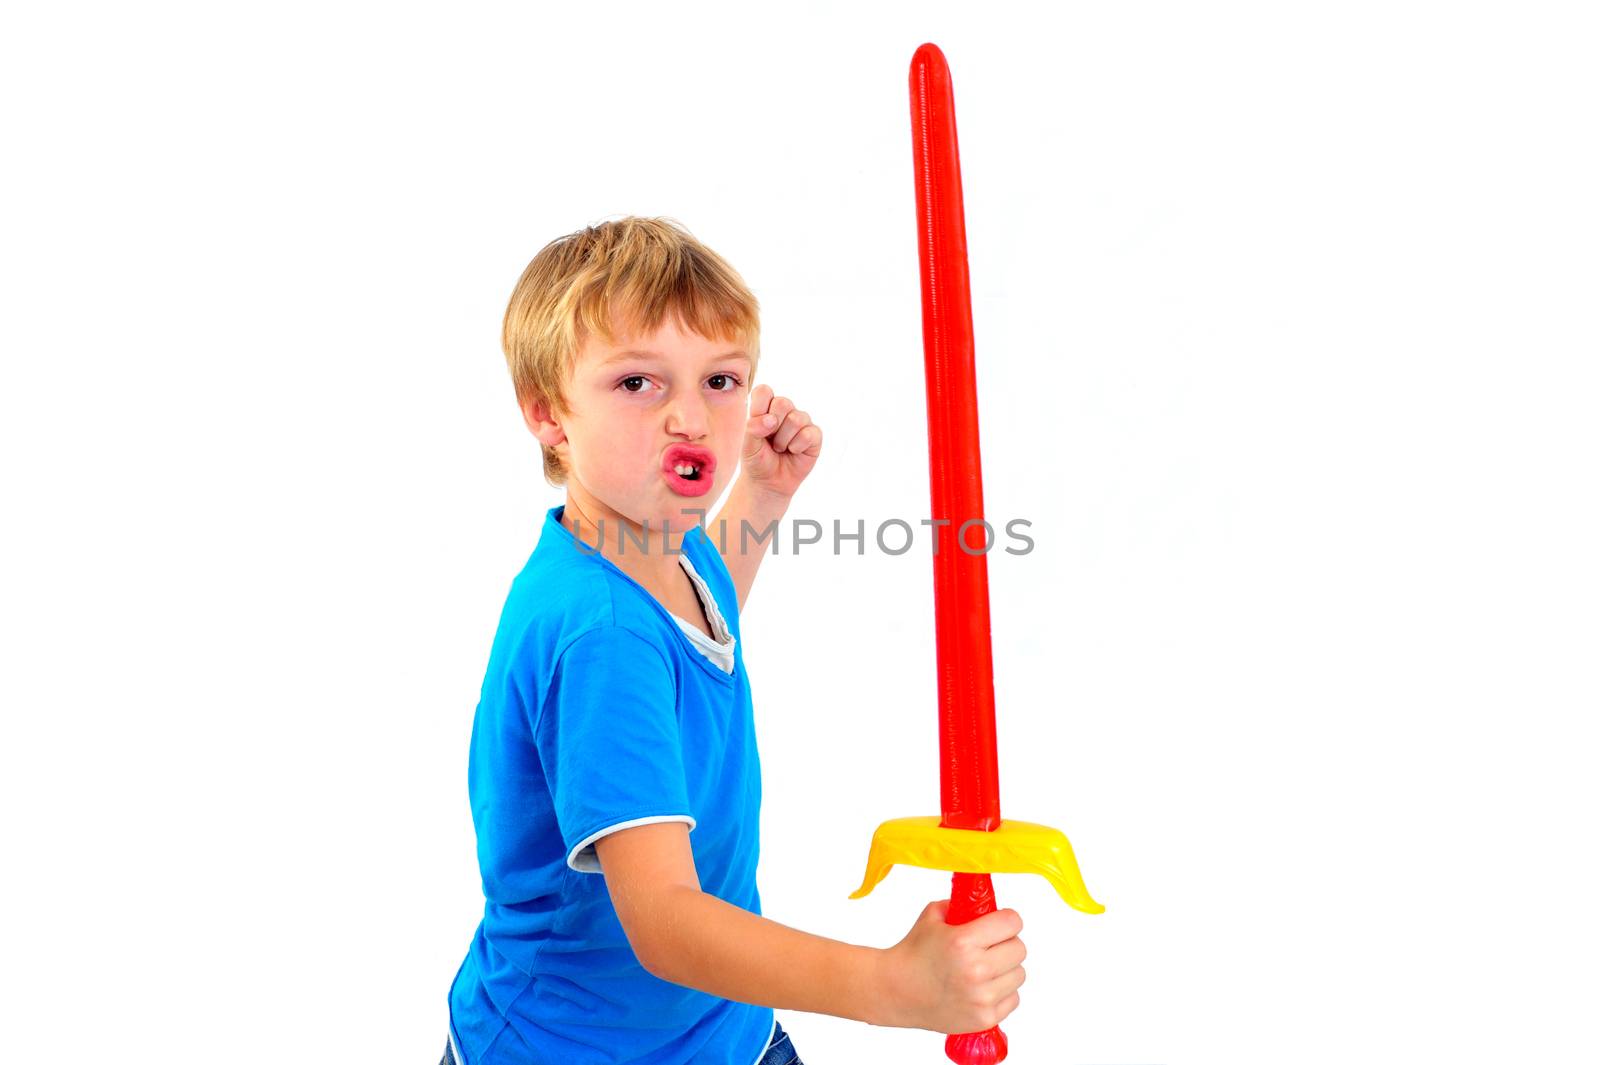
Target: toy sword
<point>970,839</point>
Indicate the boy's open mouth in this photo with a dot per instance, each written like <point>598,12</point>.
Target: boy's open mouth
<point>688,469</point>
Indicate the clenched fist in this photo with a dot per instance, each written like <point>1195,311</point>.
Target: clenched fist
<point>956,978</point>
<point>781,444</point>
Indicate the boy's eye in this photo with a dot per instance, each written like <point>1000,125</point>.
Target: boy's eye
<point>720,382</point>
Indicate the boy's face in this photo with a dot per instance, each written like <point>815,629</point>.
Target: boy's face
<point>643,410</point>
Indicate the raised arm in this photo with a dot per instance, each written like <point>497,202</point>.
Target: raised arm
<point>747,506</point>
<point>781,445</point>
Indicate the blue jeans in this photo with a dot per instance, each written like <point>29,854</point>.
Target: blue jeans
<point>779,1052</point>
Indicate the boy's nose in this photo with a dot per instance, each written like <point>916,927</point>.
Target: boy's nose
<point>688,417</point>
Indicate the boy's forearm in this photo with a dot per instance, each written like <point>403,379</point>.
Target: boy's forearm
<point>741,550</point>
<point>712,946</point>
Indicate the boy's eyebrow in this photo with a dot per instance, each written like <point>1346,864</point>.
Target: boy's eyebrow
<point>640,354</point>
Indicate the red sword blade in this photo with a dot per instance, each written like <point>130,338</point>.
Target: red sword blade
<point>969,778</point>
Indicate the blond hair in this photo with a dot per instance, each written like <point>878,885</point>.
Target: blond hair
<point>630,274</point>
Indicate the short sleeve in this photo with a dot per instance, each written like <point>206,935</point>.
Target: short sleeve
<point>608,741</point>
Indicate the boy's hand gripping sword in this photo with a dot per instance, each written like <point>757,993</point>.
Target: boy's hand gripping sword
<point>970,839</point>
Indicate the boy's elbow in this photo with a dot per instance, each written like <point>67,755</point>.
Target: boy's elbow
<point>652,925</point>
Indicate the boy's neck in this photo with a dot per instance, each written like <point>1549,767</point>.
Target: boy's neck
<point>648,556</point>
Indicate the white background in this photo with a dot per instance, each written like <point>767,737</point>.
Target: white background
<point>1286,330</point>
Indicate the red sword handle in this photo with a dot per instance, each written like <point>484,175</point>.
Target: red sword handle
<point>972,896</point>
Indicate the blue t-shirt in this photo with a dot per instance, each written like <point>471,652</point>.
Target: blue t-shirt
<point>598,713</point>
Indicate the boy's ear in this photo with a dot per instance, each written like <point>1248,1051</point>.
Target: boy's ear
<point>541,420</point>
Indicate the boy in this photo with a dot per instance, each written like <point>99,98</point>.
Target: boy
<point>614,777</point>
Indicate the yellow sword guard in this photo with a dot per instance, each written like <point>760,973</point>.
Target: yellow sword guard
<point>1014,847</point>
